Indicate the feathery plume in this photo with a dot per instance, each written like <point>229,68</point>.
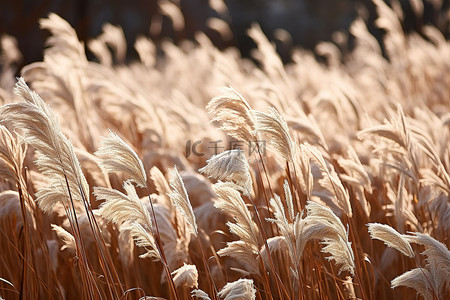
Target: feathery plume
<point>12,154</point>
<point>275,127</point>
<point>330,181</point>
<point>186,275</point>
<point>438,258</point>
<point>63,37</point>
<point>276,244</point>
<point>321,223</point>
<point>115,38</point>
<point>116,156</point>
<point>161,184</point>
<point>308,128</point>
<point>56,159</point>
<point>120,208</point>
<point>220,26</point>
<point>101,51</point>
<point>430,280</point>
<point>66,238</point>
<point>173,12</point>
<point>230,165</point>
<point>419,279</point>
<point>146,50</point>
<point>286,229</point>
<point>435,250</point>
<point>398,131</point>
<point>241,289</point>
<point>230,201</point>
<point>163,189</point>
<point>180,199</point>
<point>358,178</point>
<point>9,52</point>
<point>200,294</point>
<point>242,253</point>
<point>219,6</point>
<point>143,238</point>
<point>266,54</point>
<point>288,197</point>
<point>233,112</point>
<point>130,213</point>
<point>391,238</point>
<point>302,165</point>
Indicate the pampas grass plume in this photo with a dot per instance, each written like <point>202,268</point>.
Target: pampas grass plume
<point>180,199</point>
<point>116,156</point>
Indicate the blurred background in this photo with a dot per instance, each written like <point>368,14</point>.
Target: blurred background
<point>287,22</point>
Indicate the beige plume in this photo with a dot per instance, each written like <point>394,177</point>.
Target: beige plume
<point>180,199</point>
<point>120,208</point>
<point>230,165</point>
<point>391,238</point>
<point>56,159</point>
<point>322,224</point>
<point>241,289</point>
<point>230,201</point>
<point>143,238</point>
<point>273,126</point>
<point>234,114</point>
<point>186,275</point>
<point>418,278</point>
<point>66,238</point>
<point>116,156</point>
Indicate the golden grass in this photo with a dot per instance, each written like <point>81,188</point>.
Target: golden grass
<point>124,181</point>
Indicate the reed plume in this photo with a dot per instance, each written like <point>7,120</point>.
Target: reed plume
<point>321,223</point>
<point>275,127</point>
<point>234,114</point>
<point>360,137</point>
<point>230,201</point>
<point>391,238</point>
<point>230,165</point>
<point>57,160</point>
<point>180,199</point>
<point>116,156</point>
<point>240,289</point>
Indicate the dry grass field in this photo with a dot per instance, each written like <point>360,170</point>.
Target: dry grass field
<point>195,173</point>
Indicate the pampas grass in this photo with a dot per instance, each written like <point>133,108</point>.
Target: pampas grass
<point>419,279</point>
<point>321,223</point>
<point>116,156</point>
<point>275,127</point>
<point>187,276</point>
<point>391,238</point>
<point>12,154</point>
<point>93,206</point>
<point>234,113</point>
<point>180,199</point>
<point>230,201</point>
<point>118,207</point>
<point>68,241</point>
<point>240,289</point>
<point>429,281</point>
<point>230,165</point>
<point>57,160</point>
